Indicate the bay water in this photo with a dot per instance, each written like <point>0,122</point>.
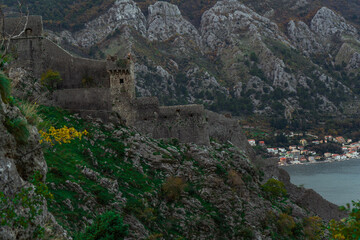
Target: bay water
<point>337,182</point>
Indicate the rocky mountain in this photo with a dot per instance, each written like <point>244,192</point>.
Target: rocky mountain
<point>297,61</point>
<point>236,60</point>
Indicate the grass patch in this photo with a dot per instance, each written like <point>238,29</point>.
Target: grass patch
<point>18,128</point>
<point>5,88</point>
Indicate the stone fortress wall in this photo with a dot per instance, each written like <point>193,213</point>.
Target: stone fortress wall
<point>40,54</point>
<point>101,88</point>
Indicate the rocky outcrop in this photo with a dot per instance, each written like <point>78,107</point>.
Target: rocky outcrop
<point>27,87</point>
<point>223,24</point>
<point>349,56</point>
<point>303,38</point>
<point>305,198</point>
<point>19,161</point>
<point>311,200</point>
<point>122,13</point>
<point>328,24</point>
<point>165,21</point>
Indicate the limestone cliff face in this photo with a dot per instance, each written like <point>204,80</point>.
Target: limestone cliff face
<point>165,21</point>
<point>228,20</point>
<point>303,38</point>
<point>123,13</point>
<point>326,24</point>
<point>18,163</point>
<point>235,52</point>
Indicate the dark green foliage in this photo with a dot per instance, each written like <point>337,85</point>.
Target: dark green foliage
<point>237,106</point>
<point>256,71</point>
<point>220,170</point>
<point>281,139</point>
<point>5,88</point>
<point>18,128</point>
<point>274,189</point>
<point>278,123</point>
<point>253,57</point>
<point>327,147</point>
<point>277,107</point>
<point>108,226</point>
<point>122,63</point>
<point>245,234</point>
<point>65,13</point>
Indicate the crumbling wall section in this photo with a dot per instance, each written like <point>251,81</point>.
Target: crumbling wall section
<point>224,129</point>
<point>186,123</point>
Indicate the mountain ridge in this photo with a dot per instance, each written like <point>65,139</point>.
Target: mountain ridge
<point>236,60</point>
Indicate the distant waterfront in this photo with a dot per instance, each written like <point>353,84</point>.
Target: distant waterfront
<point>338,182</point>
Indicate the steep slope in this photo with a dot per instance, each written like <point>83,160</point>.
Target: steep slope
<point>167,190</point>
<point>24,213</point>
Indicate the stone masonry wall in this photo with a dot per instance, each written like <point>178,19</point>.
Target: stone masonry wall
<point>40,54</point>
<point>14,26</point>
<point>186,123</point>
<point>86,101</point>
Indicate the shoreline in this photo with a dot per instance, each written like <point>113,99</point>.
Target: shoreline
<point>316,162</point>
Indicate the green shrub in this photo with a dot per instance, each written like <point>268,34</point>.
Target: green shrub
<point>173,188</point>
<point>347,228</point>
<point>244,233</point>
<point>274,189</point>
<point>220,170</point>
<point>313,228</point>
<point>51,79</point>
<point>108,226</point>
<point>286,224</point>
<point>253,57</point>
<point>18,128</point>
<point>122,63</point>
<point>5,88</point>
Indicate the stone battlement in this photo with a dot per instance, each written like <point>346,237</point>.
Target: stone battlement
<point>189,111</point>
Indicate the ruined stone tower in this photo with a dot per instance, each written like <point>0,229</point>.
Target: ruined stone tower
<point>122,79</point>
<point>122,87</point>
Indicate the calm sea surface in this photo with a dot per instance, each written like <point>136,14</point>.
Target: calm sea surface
<point>338,182</point>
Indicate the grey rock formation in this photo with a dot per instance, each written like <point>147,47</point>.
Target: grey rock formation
<point>227,20</point>
<point>27,87</point>
<point>165,21</point>
<point>305,198</point>
<point>122,13</point>
<point>303,38</point>
<point>326,23</point>
<point>18,163</point>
